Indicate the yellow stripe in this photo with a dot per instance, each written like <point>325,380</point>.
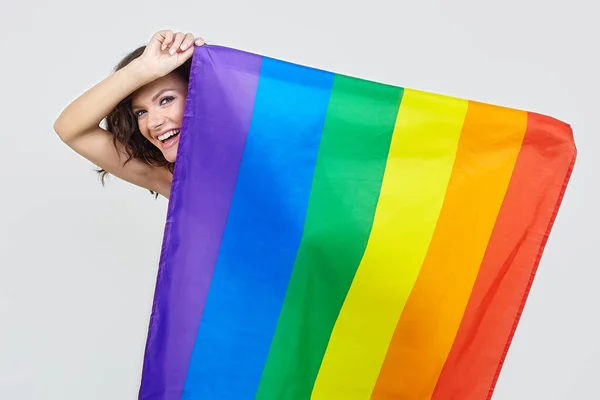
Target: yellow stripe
<point>488,149</point>
<point>419,165</point>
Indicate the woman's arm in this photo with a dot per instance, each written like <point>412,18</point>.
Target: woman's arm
<point>79,124</point>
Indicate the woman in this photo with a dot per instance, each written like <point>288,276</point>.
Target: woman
<point>143,102</point>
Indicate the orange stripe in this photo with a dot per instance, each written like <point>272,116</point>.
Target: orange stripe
<point>488,149</point>
<point>532,200</point>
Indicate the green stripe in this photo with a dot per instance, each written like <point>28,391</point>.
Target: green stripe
<point>349,171</point>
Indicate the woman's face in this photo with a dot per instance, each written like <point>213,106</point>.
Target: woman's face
<point>159,108</point>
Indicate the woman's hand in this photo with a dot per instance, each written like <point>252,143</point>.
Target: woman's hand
<point>168,50</point>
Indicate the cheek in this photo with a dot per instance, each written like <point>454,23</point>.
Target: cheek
<point>177,112</point>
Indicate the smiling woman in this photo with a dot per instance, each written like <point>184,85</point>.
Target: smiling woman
<point>143,103</point>
<point>158,108</point>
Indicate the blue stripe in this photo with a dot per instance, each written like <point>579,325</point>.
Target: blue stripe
<point>262,234</point>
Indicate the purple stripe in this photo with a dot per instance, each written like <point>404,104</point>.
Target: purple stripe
<point>222,89</point>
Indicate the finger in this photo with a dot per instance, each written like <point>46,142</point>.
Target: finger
<point>177,40</point>
<point>158,37</point>
<point>183,56</point>
<point>187,42</point>
<point>167,39</point>
<point>199,41</point>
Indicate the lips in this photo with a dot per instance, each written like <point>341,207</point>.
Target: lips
<point>168,139</point>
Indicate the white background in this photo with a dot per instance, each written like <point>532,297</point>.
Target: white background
<point>78,261</point>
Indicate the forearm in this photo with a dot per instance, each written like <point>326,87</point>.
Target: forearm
<point>87,111</point>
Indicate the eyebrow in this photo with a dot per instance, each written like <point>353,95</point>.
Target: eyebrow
<point>161,92</point>
<point>134,106</point>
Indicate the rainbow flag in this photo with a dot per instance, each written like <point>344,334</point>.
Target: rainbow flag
<point>334,238</point>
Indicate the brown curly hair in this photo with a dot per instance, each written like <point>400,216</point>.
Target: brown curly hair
<point>122,124</point>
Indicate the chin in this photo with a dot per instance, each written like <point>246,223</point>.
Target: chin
<point>170,154</point>
<point>170,157</point>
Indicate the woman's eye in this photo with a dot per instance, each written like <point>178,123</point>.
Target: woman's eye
<point>139,113</point>
<point>166,100</point>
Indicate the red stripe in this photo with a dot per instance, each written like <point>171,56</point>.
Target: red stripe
<point>528,212</point>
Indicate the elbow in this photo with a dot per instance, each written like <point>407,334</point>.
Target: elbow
<point>61,128</point>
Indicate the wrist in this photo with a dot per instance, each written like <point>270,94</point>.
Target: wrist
<point>141,72</point>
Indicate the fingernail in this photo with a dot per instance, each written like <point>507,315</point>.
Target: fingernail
<point>164,46</point>
<point>184,46</point>
<point>172,51</point>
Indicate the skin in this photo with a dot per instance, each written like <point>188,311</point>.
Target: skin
<point>78,125</point>
<point>159,108</point>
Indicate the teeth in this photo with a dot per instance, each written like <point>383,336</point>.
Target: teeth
<point>167,135</point>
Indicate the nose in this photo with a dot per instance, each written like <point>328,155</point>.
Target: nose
<point>155,121</point>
